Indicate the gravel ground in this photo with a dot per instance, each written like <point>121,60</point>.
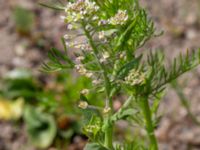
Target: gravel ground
<point>180,21</point>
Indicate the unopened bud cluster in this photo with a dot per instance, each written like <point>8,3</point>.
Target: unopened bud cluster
<point>135,77</point>
<point>93,128</point>
<point>120,18</point>
<point>106,110</point>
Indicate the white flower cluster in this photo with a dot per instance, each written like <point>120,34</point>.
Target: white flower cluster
<point>119,19</point>
<point>89,74</point>
<point>105,56</point>
<point>83,71</point>
<point>135,78</point>
<point>79,10</point>
<point>78,45</point>
<point>101,35</point>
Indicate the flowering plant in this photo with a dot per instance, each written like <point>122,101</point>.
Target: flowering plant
<point>105,37</point>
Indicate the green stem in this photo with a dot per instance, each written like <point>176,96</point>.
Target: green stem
<point>149,124</point>
<point>106,79</point>
<point>109,135</point>
<point>109,126</point>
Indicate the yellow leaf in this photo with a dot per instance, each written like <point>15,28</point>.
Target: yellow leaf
<point>11,110</point>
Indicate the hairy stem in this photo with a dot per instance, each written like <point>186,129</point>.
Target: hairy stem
<point>149,124</point>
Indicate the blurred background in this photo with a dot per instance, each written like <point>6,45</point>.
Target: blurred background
<point>39,110</point>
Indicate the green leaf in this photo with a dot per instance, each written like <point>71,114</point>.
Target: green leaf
<point>58,60</point>
<point>94,146</point>
<point>19,83</point>
<point>123,38</point>
<point>156,102</point>
<point>161,75</point>
<point>18,74</point>
<point>124,70</point>
<point>89,113</point>
<point>136,144</point>
<point>41,127</point>
<point>51,6</point>
<point>123,114</point>
<point>93,127</point>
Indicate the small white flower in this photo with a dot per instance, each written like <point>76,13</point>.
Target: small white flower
<point>106,55</point>
<point>96,8</point>
<point>87,27</point>
<point>85,91</point>
<point>122,55</point>
<point>83,104</point>
<point>101,35</point>
<point>67,43</point>
<point>83,12</point>
<point>95,18</point>
<point>78,46</point>
<point>70,27</point>
<point>67,37</point>
<point>80,58</point>
<point>102,60</point>
<point>62,17</point>
<point>81,69</point>
<point>89,74</point>
<point>106,110</point>
<point>96,82</point>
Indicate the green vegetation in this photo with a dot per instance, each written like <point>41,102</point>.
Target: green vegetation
<point>104,77</point>
<point>49,115</point>
<point>112,33</point>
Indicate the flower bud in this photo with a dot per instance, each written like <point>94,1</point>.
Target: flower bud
<point>85,91</point>
<point>83,104</point>
<point>106,110</point>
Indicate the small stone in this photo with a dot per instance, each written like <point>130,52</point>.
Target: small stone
<point>191,19</point>
<point>191,34</point>
<point>20,50</point>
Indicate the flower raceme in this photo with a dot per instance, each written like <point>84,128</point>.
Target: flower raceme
<point>83,9</point>
<point>103,43</point>
<point>89,12</point>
